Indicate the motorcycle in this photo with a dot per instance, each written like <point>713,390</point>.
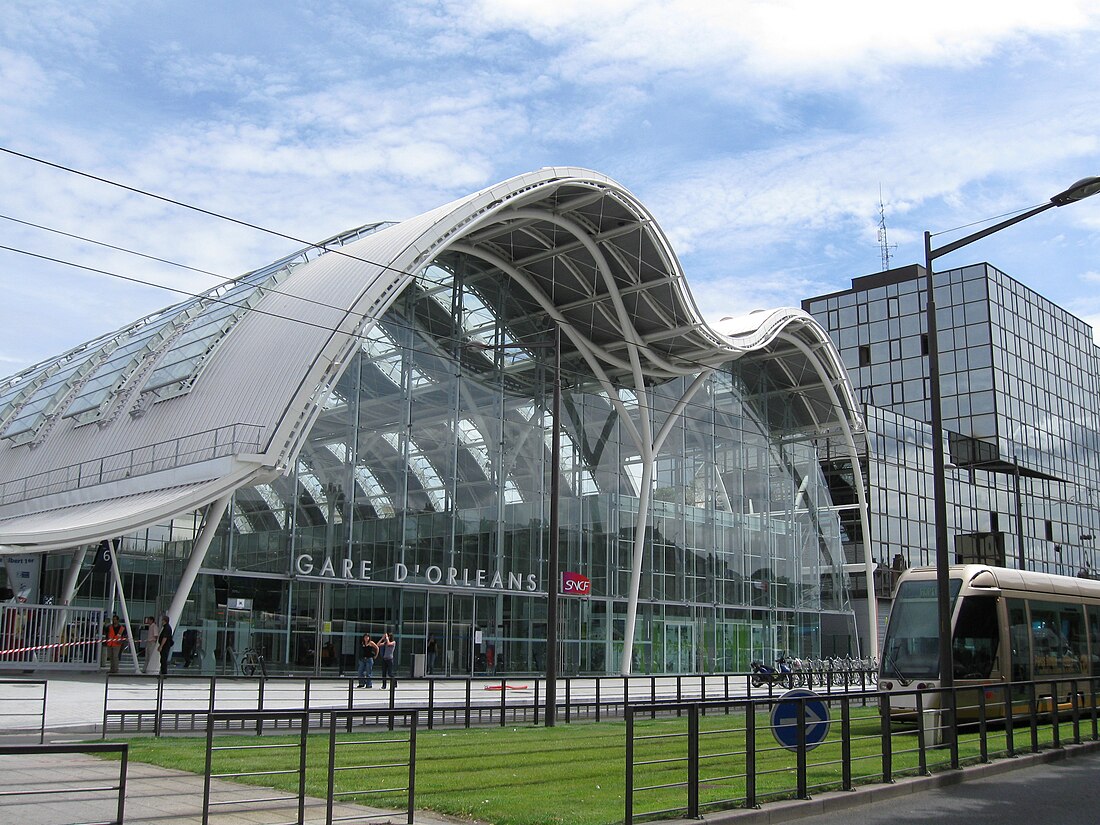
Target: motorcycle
<point>763,674</point>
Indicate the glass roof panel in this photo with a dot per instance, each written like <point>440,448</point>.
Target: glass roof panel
<point>18,388</point>
<point>223,307</point>
<point>38,405</point>
<point>96,393</point>
<point>424,470</point>
<point>274,503</point>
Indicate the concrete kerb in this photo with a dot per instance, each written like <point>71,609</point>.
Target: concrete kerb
<point>787,810</point>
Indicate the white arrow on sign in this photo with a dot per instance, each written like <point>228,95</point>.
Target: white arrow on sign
<point>812,716</point>
<point>785,719</point>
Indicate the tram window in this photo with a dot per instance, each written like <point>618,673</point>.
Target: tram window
<point>976,638</point>
<point>912,636</point>
<point>1057,634</point>
<point>1094,638</point>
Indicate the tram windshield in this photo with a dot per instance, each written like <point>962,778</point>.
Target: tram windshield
<point>912,646</point>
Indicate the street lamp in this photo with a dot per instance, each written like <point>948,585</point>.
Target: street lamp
<point>1080,190</point>
<point>551,707</point>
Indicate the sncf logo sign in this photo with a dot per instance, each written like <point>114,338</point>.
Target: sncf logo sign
<point>574,584</point>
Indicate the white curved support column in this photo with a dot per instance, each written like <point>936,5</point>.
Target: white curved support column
<point>649,461</point>
<point>214,512</point>
<point>861,493</point>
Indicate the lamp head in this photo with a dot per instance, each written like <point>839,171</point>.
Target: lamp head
<point>1084,188</point>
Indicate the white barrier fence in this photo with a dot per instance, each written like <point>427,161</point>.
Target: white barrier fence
<point>46,636</point>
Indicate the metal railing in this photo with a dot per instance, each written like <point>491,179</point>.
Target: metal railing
<point>686,758</point>
<point>81,789</point>
<point>163,704</point>
<point>404,760</point>
<point>30,705</point>
<point>166,455</point>
<point>345,757</point>
<point>50,637</point>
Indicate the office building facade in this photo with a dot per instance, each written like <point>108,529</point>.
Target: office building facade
<point>1020,384</point>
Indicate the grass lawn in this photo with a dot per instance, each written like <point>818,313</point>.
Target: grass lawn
<point>571,774</point>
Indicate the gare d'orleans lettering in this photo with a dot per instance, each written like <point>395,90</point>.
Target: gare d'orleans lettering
<point>348,569</point>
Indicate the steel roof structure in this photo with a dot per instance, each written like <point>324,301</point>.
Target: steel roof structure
<point>217,393</point>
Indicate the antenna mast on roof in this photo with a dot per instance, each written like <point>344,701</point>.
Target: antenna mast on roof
<point>884,246</point>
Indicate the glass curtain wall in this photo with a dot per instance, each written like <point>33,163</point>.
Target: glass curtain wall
<point>420,505</point>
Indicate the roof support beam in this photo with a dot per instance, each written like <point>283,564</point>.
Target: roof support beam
<point>214,512</point>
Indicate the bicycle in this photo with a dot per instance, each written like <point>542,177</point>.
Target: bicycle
<point>251,661</point>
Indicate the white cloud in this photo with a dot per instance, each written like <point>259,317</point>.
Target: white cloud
<point>22,79</point>
<point>191,73</point>
<point>772,41</point>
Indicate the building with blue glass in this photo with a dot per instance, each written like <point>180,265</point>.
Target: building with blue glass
<point>360,438</point>
<point>1020,384</point>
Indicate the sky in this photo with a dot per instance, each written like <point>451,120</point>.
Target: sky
<point>769,138</point>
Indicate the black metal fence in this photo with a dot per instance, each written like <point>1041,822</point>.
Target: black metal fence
<point>23,707</point>
<point>166,704</point>
<point>349,776</point>
<point>684,759</point>
<point>82,790</point>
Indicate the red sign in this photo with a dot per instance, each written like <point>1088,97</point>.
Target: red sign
<point>574,584</point>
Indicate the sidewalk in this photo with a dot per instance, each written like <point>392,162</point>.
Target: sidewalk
<point>74,713</point>
<point>155,795</point>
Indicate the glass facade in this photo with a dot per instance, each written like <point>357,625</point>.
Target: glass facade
<point>1020,378</point>
<point>420,504</point>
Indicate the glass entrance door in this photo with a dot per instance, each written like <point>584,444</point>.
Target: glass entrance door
<point>679,647</point>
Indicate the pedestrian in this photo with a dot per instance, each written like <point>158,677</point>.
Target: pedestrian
<point>431,651</point>
<point>190,645</point>
<point>152,657</point>
<point>164,644</point>
<point>368,649</point>
<point>386,647</point>
<point>114,637</point>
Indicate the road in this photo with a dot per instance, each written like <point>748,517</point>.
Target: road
<point>1065,792</point>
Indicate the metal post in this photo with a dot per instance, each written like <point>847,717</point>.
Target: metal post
<point>550,716</point>
<point>1021,556</point>
<point>939,488</point>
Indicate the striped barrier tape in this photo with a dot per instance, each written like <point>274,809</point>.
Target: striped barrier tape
<point>14,650</point>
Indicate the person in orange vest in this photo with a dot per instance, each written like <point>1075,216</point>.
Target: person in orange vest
<point>114,638</point>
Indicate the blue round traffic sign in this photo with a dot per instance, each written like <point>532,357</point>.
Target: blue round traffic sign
<point>785,725</point>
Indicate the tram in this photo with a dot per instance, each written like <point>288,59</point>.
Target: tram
<point>1007,626</point>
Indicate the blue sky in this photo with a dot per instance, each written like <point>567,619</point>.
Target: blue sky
<point>759,132</point>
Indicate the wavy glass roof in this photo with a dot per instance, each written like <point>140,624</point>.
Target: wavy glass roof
<point>220,391</point>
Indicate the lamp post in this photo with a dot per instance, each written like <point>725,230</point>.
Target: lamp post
<point>1078,191</point>
<point>550,713</point>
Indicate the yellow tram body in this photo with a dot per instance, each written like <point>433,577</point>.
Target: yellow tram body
<point>1008,628</point>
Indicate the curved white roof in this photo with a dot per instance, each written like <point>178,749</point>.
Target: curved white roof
<point>219,392</point>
